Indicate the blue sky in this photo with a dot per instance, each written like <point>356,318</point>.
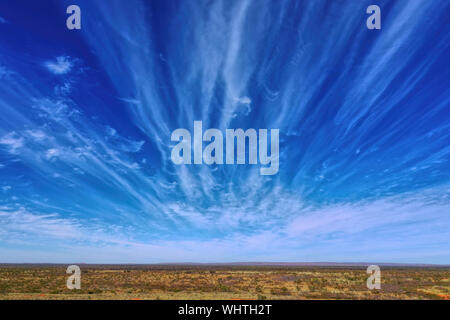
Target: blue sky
<point>86,118</point>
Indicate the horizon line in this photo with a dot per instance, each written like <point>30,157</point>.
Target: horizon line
<point>237,263</point>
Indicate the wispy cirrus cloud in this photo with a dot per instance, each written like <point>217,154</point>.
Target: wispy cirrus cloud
<point>326,230</point>
<point>61,65</point>
<point>12,142</point>
<point>364,161</point>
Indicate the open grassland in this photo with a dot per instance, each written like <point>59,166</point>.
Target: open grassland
<point>224,282</point>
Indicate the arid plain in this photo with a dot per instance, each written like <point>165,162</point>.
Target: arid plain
<point>136,282</point>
